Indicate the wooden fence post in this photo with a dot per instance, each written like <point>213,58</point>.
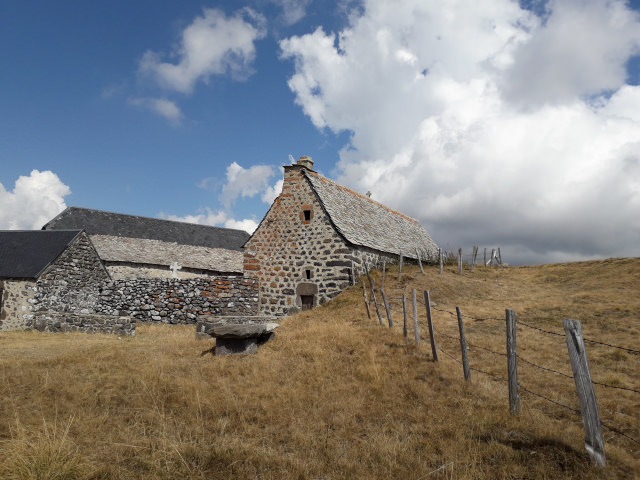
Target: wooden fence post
<point>427,304</point>
<point>353,274</point>
<point>366,303</point>
<point>485,256</point>
<point>493,255</point>
<point>416,331</point>
<point>419,261</point>
<point>474,254</point>
<point>440,256</point>
<point>375,301</point>
<point>404,314</point>
<point>459,260</point>
<point>400,268</point>
<point>384,269</point>
<point>386,307</point>
<point>463,347</point>
<point>512,363</point>
<point>594,443</point>
<point>499,257</point>
<point>366,270</point>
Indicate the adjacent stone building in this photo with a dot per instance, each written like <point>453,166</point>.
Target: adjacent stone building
<point>317,234</point>
<point>141,247</point>
<point>52,280</point>
<point>93,270</point>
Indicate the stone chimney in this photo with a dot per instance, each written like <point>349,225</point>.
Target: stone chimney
<point>306,161</point>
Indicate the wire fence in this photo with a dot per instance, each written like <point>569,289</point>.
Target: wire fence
<point>440,334</point>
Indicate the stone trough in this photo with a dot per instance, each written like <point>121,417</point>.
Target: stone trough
<point>236,334</point>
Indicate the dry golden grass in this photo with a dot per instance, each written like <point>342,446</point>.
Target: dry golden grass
<point>334,395</point>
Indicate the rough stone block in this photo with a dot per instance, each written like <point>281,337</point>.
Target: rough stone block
<point>228,346</point>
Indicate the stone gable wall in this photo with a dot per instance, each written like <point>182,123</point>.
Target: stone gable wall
<point>286,245</point>
<point>72,282</point>
<point>179,300</point>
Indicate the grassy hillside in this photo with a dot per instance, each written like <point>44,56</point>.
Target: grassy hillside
<point>335,395</point>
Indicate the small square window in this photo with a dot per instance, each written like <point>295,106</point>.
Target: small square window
<point>307,215</point>
<point>308,274</point>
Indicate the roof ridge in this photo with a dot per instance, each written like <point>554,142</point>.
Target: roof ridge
<point>364,197</point>
<point>141,216</point>
<point>33,231</point>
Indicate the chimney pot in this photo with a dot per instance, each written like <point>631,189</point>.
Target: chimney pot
<point>306,161</point>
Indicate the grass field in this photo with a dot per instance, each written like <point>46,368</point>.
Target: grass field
<point>335,395</point>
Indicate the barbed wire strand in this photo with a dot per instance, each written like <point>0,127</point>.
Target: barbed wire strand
<point>520,358</point>
<point>494,376</point>
<point>524,324</point>
<point>520,386</point>
<point>520,322</point>
<point>543,368</point>
<point>487,349</point>
<point>586,339</point>
<point>630,350</point>
<point>615,386</point>
<point>619,432</point>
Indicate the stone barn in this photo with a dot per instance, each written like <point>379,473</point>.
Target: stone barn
<point>317,234</point>
<point>51,280</point>
<point>141,247</point>
<point>165,271</point>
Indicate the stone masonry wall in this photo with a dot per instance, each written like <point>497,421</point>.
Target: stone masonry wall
<point>180,300</point>
<point>72,282</point>
<point>292,256</point>
<point>64,298</point>
<point>132,271</point>
<point>17,299</point>
<point>87,323</point>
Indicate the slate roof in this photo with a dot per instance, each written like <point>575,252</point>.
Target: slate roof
<point>27,253</point>
<point>98,222</point>
<point>367,223</point>
<point>156,252</point>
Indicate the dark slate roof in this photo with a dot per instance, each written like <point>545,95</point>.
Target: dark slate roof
<point>98,222</point>
<point>27,253</point>
<point>365,222</point>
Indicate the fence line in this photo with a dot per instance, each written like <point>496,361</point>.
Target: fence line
<point>469,345</point>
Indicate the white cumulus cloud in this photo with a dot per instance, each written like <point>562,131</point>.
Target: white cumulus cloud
<point>219,218</point>
<point>213,44</point>
<point>239,182</point>
<point>245,182</point>
<point>490,125</point>
<point>272,191</point>
<point>292,10</point>
<point>34,200</point>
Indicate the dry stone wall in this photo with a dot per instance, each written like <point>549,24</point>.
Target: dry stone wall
<point>180,300</point>
<point>87,323</point>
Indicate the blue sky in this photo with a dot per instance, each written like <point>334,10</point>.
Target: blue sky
<point>493,123</point>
